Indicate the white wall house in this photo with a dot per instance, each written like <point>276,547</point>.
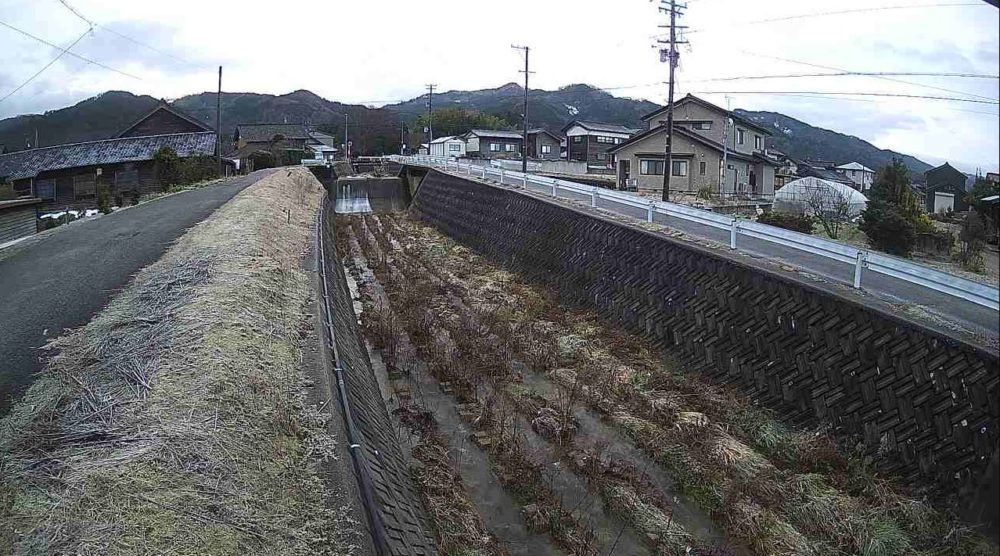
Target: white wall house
<point>448,147</point>
<point>860,175</point>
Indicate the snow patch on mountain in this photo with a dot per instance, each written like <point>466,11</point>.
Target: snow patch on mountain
<point>573,110</point>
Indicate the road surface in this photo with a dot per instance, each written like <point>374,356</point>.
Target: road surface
<point>61,278</point>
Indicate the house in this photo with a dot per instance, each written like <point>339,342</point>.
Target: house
<point>543,144</point>
<point>491,143</point>
<point>993,177</point>
<point>860,175</point>
<point>249,137</point>
<point>591,142</point>
<point>444,147</point>
<point>68,175</point>
<point>944,190</point>
<point>164,120</point>
<point>823,170</point>
<point>787,169</point>
<point>700,143</point>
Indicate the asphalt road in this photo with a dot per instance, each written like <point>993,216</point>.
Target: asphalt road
<point>62,277</point>
<point>974,318</point>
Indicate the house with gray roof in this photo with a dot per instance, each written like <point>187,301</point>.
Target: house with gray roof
<point>492,143</point>
<point>68,175</point>
<point>706,138</point>
<point>591,142</point>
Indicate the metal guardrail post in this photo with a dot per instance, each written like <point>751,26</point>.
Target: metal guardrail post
<point>649,212</point>
<point>733,230</point>
<point>524,181</point>
<point>501,175</point>
<point>553,189</point>
<point>858,265</point>
<point>593,197</point>
<point>484,172</point>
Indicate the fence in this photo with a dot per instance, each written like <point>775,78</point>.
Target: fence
<point>862,259</point>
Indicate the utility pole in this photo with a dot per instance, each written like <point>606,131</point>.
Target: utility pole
<point>347,146</point>
<point>671,56</point>
<point>430,115</point>
<point>524,135</point>
<point>218,124</point>
<point>725,150</point>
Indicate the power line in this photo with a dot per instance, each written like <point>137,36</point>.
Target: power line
<point>883,78</point>
<point>123,36</point>
<point>849,74</point>
<point>892,95</point>
<point>851,11</point>
<point>65,51</point>
<point>45,67</point>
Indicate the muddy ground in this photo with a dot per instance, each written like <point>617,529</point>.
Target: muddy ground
<point>537,428</point>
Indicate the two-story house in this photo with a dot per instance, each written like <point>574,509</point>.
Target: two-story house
<point>861,176</point>
<point>591,142</point>
<point>945,189</point>
<point>704,135</point>
<point>543,144</point>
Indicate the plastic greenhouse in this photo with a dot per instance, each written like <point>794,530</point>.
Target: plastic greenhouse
<point>811,195</point>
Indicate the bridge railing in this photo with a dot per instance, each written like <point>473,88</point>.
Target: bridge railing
<point>861,259</point>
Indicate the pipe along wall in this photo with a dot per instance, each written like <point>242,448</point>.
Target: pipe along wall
<point>925,403</point>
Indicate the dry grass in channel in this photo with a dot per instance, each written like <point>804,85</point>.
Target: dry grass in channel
<point>175,421</point>
<point>777,490</point>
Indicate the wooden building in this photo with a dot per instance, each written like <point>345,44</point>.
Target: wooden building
<point>945,190</point>
<point>543,144</point>
<point>17,219</point>
<point>68,175</point>
<point>164,120</point>
<point>590,142</point>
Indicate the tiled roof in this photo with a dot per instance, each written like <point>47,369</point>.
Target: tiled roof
<point>262,133</point>
<point>28,164</point>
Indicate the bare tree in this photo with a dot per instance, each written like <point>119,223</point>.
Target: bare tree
<point>832,207</point>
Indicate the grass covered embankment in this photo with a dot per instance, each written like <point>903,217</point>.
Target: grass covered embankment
<point>176,421</point>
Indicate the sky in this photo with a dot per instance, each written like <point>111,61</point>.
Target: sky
<point>381,51</point>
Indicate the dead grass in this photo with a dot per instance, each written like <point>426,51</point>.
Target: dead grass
<point>790,491</point>
<point>175,421</point>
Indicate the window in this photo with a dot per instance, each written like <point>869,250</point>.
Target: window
<point>680,168</point>
<point>546,149</point>
<point>701,168</point>
<point>578,139</point>
<point>601,156</point>
<point>758,142</point>
<point>703,125</point>
<point>45,189</point>
<point>510,147</point>
<point>741,136</point>
<point>85,186</point>
<point>651,167</point>
<point>494,147</point>
<point>454,147</point>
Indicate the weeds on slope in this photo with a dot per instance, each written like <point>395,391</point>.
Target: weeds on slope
<point>175,420</point>
<point>739,460</point>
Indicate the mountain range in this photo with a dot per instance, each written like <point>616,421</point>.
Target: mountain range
<point>377,130</point>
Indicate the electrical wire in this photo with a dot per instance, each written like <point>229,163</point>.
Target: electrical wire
<point>73,54</point>
<point>848,74</point>
<point>881,77</point>
<point>46,66</point>
<point>890,95</point>
<point>847,12</point>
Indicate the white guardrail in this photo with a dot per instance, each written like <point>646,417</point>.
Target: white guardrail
<point>981,294</point>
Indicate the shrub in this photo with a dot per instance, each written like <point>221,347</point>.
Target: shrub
<point>796,222</point>
<point>888,229</point>
<point>262,160</point>
<point>103,198</point>
<point>167,167</point>
<point>973,236</point>
<point>197,168</point>
<point>7,191</point>
<point>133,197</point>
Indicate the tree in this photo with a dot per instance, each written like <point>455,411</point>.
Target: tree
<point>832,207</point>
<point>973,237</point>
<point>981,189</point>
<point>893,215</point>
<point>456,121</point>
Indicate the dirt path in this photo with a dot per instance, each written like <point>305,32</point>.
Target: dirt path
<point>683,464</point>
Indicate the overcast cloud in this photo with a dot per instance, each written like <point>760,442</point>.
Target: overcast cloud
<point>379,51</point>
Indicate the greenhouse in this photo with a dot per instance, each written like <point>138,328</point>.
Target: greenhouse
<point>817,196</point>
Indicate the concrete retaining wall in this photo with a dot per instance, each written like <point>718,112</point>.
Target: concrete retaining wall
<point>926,403</point>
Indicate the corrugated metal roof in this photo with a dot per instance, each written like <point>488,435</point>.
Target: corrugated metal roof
<point>28,164</point>
<point>260,133</point>
<point>496,133</point>
<point>598,126</point>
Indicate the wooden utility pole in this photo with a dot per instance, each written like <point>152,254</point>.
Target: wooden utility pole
<point>671,56</point>
<point>524,134</point>
<point>218,124</point>
<point>430,115</point>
